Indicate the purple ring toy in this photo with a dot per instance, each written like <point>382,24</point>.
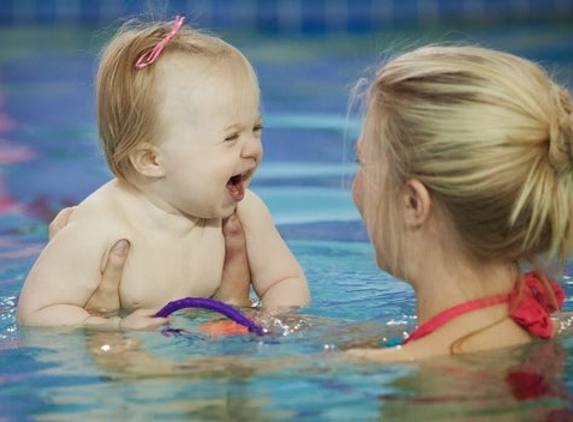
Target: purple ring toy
<point>212,305</point>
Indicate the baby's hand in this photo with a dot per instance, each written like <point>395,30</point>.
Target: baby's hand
<point>142,319</point>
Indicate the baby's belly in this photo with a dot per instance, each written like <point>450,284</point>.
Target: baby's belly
<point>161,268</point>
<point>156,287</point>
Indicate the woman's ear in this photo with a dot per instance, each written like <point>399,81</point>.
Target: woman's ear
<point>145,161</point>
<point>417,203</point>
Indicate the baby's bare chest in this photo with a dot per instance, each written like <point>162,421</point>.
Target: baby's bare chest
<point>160,270</point>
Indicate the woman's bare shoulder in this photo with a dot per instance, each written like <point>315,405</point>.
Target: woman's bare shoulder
<point>391,354</point>
<point>425,348</point>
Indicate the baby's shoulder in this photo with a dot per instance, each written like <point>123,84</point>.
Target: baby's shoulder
<point>252,203</point>
<point>101,197</point>
<point>104,209</point>
<point>254,213</point>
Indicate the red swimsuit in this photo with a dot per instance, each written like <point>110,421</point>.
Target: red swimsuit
<point>530,307</point>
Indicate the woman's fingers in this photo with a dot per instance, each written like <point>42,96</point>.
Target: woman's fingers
<point>236,279</point>
<point>105,298</point>
<point>60,221</point>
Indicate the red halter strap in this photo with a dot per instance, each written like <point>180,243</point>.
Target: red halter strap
<point>530,305</point>
<point>446,316</point>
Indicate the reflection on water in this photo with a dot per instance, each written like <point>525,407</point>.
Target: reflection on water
<point>144,376</point>
<point>295,373</point>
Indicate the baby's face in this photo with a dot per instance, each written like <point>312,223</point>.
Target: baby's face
<point>209,137</point>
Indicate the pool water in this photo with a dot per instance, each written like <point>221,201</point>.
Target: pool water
<point>49,158</point>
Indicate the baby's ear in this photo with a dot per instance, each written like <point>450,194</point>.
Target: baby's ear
<point>145,161</point>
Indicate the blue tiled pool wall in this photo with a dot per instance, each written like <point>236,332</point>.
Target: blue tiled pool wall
<point>278,16</point>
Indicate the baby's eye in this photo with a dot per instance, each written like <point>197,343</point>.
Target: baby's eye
<point>232,137</point>
<point>258,128</point>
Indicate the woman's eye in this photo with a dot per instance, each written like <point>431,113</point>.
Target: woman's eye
<point>232,137</point>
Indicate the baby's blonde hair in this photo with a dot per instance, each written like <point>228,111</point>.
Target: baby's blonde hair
<point>127,98</point>
<point>490,136</point>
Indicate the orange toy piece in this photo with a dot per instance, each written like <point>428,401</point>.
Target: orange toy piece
<point>223,327</point>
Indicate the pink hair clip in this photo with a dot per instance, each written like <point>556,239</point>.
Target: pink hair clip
<point>150,56</point>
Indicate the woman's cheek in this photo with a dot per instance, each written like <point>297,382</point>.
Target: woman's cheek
<point>358,192</point>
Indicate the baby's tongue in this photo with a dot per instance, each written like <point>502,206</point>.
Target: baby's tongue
<point>236,191</point>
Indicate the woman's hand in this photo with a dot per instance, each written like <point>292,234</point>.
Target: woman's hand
<point>236,279</point>
<point>60,221</point>
<point>105,299</point>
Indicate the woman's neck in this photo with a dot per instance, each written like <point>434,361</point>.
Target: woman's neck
<point>443,286</point>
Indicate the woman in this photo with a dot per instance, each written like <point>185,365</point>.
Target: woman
<point>465,177</point>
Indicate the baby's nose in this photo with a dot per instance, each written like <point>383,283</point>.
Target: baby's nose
<point>253,148</point>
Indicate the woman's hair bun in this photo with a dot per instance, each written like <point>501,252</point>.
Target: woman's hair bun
<point>561,133</point>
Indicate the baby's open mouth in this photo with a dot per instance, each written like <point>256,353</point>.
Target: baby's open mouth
<point>235,180</point>
<point>235,186</point>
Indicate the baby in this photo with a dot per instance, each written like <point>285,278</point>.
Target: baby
<point>179,121</point>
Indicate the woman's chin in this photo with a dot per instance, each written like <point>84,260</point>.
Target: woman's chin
<point>382,264</point>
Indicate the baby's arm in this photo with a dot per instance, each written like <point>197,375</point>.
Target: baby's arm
<point>60,280</point>
<point>63,279</point>
<point>277,277</point>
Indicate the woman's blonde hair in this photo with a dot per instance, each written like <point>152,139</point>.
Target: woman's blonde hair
<point>490,136</point>
<point>127,98</point>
